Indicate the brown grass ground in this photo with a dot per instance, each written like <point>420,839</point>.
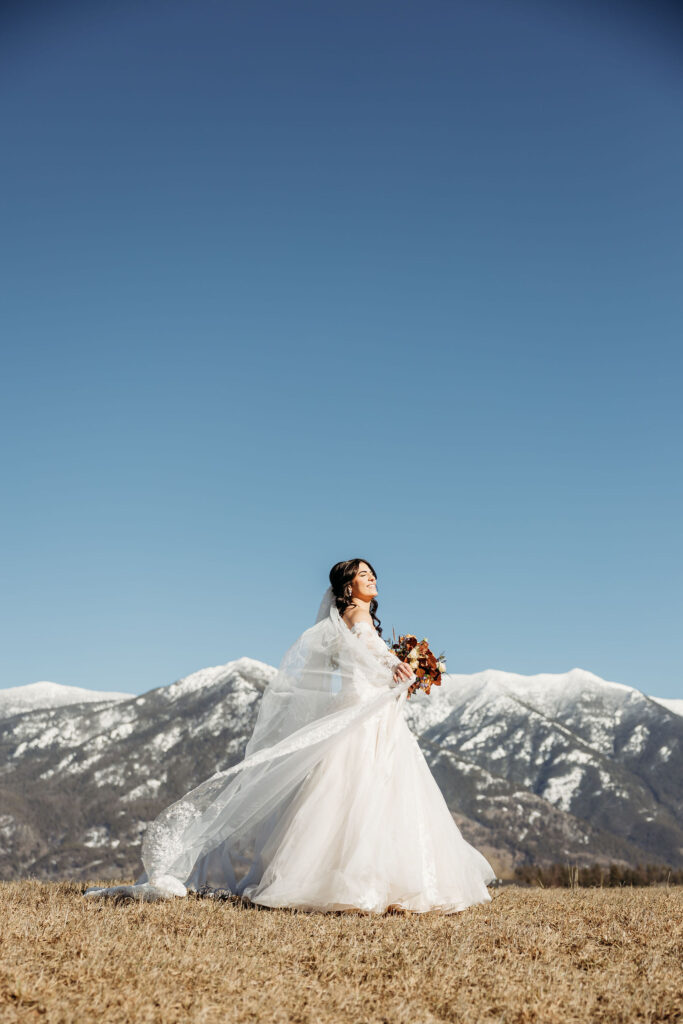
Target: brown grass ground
<point>554,956</point>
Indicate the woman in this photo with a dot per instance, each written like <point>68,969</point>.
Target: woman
<point>334,806</point>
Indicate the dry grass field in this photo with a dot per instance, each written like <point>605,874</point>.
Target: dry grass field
<point>554,956</point>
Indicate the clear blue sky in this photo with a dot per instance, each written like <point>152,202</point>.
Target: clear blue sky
<point>286,283</point>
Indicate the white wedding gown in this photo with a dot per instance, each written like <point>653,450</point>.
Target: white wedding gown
<point>365,828</point>
<point>370,827</point>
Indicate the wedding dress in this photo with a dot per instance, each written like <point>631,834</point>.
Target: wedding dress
<point>333,807</point>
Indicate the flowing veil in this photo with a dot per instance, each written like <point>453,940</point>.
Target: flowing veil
<point>327,683</point>
<point>325,604</point>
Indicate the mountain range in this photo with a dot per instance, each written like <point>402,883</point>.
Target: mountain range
<point>15,699</point>
<point>535,769</point>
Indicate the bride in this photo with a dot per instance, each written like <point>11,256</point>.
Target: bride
<point>334,806</point>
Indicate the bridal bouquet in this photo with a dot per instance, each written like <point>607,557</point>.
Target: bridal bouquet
<point>417,656</point>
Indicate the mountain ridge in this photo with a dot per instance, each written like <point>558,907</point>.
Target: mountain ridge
<point>59,694</point>
<point>16,699</point>
<point>585,769</point>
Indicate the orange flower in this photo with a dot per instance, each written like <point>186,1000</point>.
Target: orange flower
<point>425,665</point>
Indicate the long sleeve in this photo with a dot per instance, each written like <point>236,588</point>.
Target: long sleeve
<point>373,641</point>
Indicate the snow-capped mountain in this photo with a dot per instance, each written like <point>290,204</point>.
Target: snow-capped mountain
<point>534,768</point>
<point>603,753</point>
<point>16,699</point>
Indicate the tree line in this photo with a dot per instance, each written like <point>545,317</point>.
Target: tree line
<point>602,875</point>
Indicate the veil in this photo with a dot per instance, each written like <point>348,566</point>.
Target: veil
<point>328,682</point>
<point>325,604</point>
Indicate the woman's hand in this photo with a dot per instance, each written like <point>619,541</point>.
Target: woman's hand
<point>402,672</point>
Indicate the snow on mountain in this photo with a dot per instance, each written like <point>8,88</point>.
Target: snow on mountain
<point>595,708</point>
<point>533,768</point>
<point>17,699</point>
<point>672,705</point>
<point>78,783</point>
<point>603,752</point>
<point>257,672</point>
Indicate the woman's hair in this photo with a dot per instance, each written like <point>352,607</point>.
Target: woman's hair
<point>341,576</point>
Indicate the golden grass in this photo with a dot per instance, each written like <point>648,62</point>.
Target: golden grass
<point>553,956</point>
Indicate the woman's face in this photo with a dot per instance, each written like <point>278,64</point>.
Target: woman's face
<point>364,584</point>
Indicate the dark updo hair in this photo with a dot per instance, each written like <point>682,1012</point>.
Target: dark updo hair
<point>341,576</point>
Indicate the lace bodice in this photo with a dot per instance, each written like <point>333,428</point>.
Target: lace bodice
<point>373,641</point>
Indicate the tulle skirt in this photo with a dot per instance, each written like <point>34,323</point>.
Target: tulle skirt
<point>367,829</point>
